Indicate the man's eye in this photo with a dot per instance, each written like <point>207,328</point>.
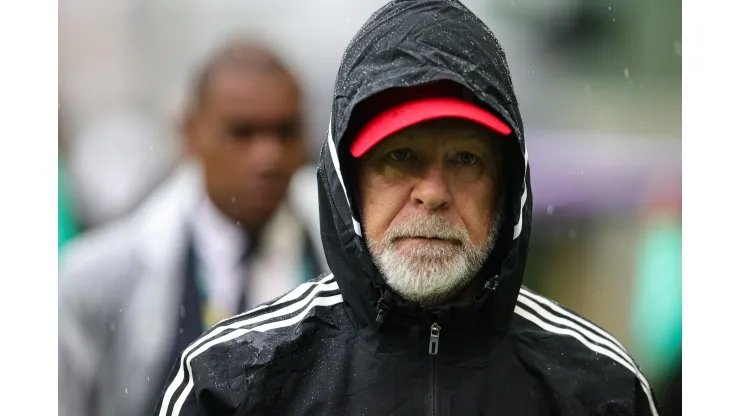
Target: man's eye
<point>287,132</point>
<point>400,155</point>
<point>467,158</point>
<point>240,132</point>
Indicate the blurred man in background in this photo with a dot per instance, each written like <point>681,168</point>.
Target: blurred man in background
<point>218,237</point>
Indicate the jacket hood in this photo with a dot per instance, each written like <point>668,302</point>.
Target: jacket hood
<point>406,44</point>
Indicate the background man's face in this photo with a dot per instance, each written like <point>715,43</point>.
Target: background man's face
<point>247,133</point>
<point>428,199</point>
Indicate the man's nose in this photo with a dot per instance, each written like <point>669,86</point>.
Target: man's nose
<point>266,149</point>
<point>431,190</point>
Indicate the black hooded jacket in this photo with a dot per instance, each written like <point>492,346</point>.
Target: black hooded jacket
<point>344,344</point>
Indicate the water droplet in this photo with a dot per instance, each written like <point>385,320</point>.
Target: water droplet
<point>626,72</point>
<point>610,7</point>
<point>614,19</point>
<point>181,330</point>
<point>147,379</point>
<point>120,310</point>
<point>126,390</point>
<point>550,209</point>
<point>182,311</point>
<point>112,326</point>
<point>677,48</point>
<point>572,233</point>
<point>581,171</point>
<point>238,224</point>
<point>233,200</point>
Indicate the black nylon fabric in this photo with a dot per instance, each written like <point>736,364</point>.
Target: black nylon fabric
<point>347,345</point>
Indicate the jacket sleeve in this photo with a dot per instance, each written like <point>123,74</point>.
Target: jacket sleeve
<point>171,401</point>
<point>646,403</point>
<point>89,299</point>
<point>641,403</point>
<point>195,386</point>
<point>79,357</point>
<point>83,335</point>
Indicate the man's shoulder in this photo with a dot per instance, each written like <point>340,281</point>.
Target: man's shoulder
<point>267,327</point>
<point>256,339</point>
<point>105,255</point>
<point>539,317</point>
<point>574,353</point>
<point>98,258</point>
<point>98,244</point>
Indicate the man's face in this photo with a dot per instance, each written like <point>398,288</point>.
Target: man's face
<point>428,198</point>
<point>247,134</point>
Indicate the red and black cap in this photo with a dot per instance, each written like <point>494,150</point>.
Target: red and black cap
<point>402,109</point>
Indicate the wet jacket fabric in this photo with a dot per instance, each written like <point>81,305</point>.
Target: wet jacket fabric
<point>344,344</point>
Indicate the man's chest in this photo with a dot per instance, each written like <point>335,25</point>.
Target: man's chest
<point>350,385</point>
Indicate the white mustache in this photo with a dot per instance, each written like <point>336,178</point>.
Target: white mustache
<point>424,226</point>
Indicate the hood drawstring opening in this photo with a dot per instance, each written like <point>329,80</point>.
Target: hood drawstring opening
<point>489,288</point>
<point>492,284</point>
<point>382,306</point>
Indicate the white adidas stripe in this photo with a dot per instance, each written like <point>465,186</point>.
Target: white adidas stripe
<point>566,322</point>
<point>293,294</point>
<point>317,288</point>
<point>593,347</point>
<point>553,306</point>
<point>518,226</point>
<point>321,301</point>
<point>335,162</point>
<point>593,337</point>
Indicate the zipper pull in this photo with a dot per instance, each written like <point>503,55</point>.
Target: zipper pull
<point>434,339</point>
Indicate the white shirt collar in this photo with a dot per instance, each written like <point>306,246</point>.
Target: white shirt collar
<point>216,237</point>
<point>220,246</point>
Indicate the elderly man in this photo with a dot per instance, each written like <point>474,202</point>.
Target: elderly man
<point>425,216</point>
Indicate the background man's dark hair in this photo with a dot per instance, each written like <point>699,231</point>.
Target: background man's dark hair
<point>247,55</point>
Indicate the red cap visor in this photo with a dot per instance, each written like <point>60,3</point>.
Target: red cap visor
<point>418,111</point>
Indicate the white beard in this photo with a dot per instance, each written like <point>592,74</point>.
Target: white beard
<point>430,274</point>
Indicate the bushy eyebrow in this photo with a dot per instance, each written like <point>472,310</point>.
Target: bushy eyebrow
<point>489,140</point>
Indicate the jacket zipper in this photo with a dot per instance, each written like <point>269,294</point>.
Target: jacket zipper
<point>432,369</point>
